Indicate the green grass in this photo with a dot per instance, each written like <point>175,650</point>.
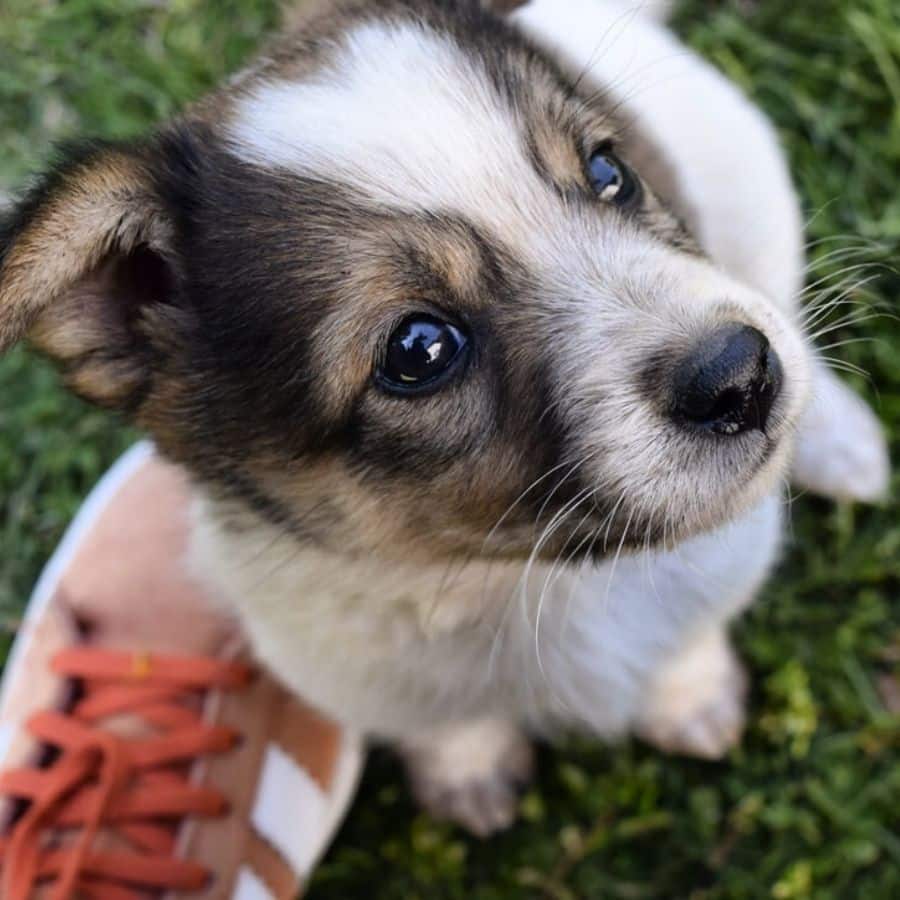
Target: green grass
<point>809,806</point>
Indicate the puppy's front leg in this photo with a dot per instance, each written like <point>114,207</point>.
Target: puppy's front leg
<point>841,451</point>
<point>695,702</point>
<point>470,772</point>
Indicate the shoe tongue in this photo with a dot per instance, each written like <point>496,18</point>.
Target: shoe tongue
<point>128,583</point>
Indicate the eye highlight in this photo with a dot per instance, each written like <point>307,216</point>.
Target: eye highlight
<point>422,353</point>
<point>611,179</point>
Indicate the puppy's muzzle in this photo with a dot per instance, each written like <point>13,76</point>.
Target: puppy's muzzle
<point>728,384</point>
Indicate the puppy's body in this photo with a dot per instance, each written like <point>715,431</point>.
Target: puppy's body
<point>540,540</point>
<point>393,649</point>
<point>426,642</point>
<point>561,646</point>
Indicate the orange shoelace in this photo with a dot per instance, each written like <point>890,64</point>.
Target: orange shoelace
<point>138,789</point>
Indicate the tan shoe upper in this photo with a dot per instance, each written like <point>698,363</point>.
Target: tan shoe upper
<point>119,582</point>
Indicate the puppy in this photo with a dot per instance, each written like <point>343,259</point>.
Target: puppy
<point>478,337</point>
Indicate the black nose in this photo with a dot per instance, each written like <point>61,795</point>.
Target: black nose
<point>730,382</point>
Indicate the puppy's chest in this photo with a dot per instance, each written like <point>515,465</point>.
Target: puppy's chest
<point>376,642</point>
<point>391,648</point>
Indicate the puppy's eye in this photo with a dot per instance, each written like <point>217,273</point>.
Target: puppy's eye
<point>421,353</point>
<point>611,178</point>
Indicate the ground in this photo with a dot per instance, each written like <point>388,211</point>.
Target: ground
<point>809,806</point>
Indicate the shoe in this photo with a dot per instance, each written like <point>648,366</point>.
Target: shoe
<point>141,754</point>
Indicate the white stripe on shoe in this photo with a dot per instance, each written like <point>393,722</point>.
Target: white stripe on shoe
<point>290,807</point>
<point>250,887</point>
<point>8,733</point>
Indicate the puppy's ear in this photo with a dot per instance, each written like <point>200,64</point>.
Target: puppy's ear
<point>87,261</point>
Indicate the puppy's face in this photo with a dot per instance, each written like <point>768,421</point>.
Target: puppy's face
<point>399,290</point>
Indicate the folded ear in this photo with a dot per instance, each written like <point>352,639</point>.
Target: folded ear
<point>85,260</point>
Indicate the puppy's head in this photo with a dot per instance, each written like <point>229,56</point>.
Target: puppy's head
<point>398,289</point>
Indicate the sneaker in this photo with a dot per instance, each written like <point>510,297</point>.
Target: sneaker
<point>141,755</point>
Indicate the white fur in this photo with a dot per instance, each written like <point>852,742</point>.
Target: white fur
<point>841,450</point>
<point>401,116</point>
<point>728,163</point>
<point>394,650</point>
<point>724,151</point>
<point>695,703</point>
<point>657,9</point>
<point>471,773</point>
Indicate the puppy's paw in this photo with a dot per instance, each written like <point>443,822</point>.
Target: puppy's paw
<point>696,703</point>
<point>841,449</point>
<point>471,773</point>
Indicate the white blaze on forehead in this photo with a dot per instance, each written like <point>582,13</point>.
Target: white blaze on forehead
<point>407,118</point>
